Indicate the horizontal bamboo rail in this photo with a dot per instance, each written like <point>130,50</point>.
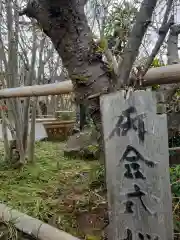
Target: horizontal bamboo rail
<point>161,75</point>
<point>37,90</point>
<point>175,149</point>
<point>32,226</point>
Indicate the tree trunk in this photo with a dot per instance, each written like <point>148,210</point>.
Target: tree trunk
<point>170,90</point>
<point>11,74</point>
<point>173,58</point>
<point>82,116</point>
<point>5,138</point>
<point>66,24</point>
<point>172,47</point>
<point>51,105</point>
<point>32,132</point>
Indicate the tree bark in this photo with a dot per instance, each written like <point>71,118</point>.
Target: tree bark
<point>170,90</point>
<point>82,116</point>
<point>5,137</point>
<point>66,24</point>
<point>31,146</point>
<point>172,47</point>
<point>173,58</point>
<point>11,68</point>
<point>29,82</point>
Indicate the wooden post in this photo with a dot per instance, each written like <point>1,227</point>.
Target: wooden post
<point>137,167</point>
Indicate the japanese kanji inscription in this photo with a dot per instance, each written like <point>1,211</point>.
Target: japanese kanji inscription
<point>137,162</point>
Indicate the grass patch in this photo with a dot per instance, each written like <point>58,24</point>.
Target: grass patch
<point>67,193</point>
<point>54,189</point>
<point>175,186</point>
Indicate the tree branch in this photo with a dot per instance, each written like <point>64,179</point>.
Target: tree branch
<point>143,19</point>
<point>162,34</point>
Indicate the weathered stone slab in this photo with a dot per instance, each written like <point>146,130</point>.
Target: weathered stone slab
<point>137,167</point>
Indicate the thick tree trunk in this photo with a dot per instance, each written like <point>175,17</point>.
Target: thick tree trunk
<point>66,24</point>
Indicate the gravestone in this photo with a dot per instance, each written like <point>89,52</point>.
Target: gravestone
<point>137,167</point>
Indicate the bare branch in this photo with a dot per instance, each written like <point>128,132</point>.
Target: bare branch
<point>162,34</point>
<point>143,19</point>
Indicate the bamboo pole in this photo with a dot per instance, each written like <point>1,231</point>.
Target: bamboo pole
<point>32,226</point>
<point>174,149</point>
<point>37,90</point>
<point>161,75</point>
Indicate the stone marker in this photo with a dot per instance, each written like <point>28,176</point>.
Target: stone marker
<point>137,167</point>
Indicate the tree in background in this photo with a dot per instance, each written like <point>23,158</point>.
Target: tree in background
<point>24,56</point>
